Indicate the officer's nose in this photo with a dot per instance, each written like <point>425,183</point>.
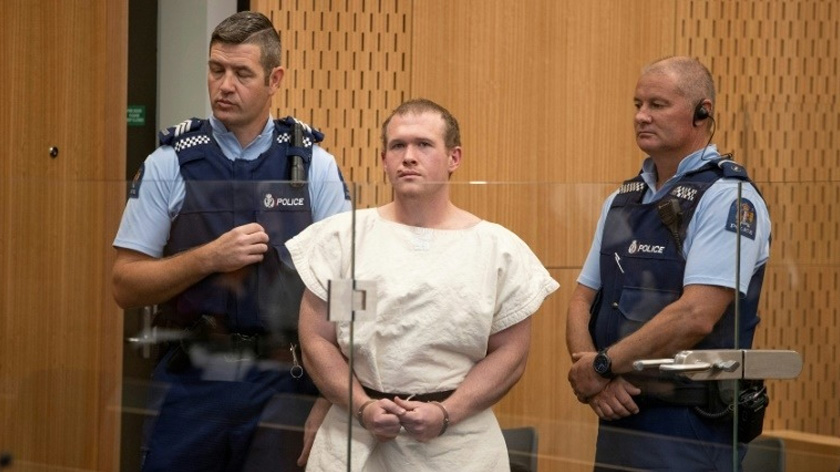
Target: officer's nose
<point>227,82</point>
<point>642,115</point>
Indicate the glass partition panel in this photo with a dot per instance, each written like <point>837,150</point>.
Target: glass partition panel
<point>60,353</point>
<point>540,417</point>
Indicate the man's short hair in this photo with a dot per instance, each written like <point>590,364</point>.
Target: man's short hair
<point>451,130</point>
<point>249,27</point>
<point>694,81</point>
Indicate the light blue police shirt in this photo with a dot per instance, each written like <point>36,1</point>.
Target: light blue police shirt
<point>147,219</point>
<point>709,247</point>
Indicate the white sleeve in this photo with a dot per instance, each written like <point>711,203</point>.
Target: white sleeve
<point>318,253</point>
<point>523,281</point>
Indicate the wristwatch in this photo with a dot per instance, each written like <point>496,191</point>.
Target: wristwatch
<point>603,364</point>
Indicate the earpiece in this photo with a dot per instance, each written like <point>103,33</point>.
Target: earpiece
<point>700,113</point>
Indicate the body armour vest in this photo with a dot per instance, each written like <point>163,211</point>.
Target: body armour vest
<point>222,194</point>
<point>642,263</point>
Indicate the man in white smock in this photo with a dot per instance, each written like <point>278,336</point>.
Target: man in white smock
<point>451,331</point>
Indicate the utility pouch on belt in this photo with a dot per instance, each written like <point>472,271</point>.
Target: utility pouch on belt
<point>752,405</point>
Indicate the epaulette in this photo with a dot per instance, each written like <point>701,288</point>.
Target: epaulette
<point>731,168</point>
<point>310,135</point>
<point>631,186</point>
<point>630,191</point>
<point>167,136</point>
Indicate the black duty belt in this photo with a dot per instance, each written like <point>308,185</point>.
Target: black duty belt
<point>212,332</point>
<point>697,399</point>
<point>682,397</point>
<point>658,391</point>
<point>262,346</point>
<point>420,397</point>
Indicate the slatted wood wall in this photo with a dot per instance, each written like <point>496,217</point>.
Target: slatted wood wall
<point>347,67</point>
<point>543,90</point>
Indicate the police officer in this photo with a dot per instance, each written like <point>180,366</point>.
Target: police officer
<point>660,278</point>
<point>202,237</point>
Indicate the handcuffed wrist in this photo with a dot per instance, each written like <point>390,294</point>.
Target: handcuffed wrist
<point>445,417</point>
<point>361,412</point>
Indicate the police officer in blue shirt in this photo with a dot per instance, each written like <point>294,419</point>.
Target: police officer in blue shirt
<point>202,238</point>
<point>660,278</point>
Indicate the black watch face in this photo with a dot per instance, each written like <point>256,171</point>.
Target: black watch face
<point>602,364</point>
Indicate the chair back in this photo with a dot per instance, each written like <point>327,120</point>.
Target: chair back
<point>522,445</point>
<point>765,454</point>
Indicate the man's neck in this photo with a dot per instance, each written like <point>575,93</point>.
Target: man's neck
<point>246,134</point>
<point>667,164</point>
<point>665,169</point>
<point>438,213</point>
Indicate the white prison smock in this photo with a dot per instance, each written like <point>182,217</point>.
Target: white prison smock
<point>441,294</point>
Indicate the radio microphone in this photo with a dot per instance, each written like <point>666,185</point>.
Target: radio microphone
<point>298,172</point>
<point>671,215</point>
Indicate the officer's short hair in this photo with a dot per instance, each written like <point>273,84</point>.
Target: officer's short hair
<point>250,27</point>
<point>694,82</point>
<point>451,130</point>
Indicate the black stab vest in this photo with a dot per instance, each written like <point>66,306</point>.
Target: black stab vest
<point>222,194</point>
<point>642,264</point>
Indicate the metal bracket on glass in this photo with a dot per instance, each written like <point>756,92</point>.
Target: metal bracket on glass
<point>151,335</point>
<point>349,298</point>
<point>727,364</point>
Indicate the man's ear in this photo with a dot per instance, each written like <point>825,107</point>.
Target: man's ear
<point>455,155</point>
<point>276,78</point>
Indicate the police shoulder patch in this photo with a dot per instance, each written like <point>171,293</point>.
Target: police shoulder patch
<point>134,189</point>
<point>745,215</point>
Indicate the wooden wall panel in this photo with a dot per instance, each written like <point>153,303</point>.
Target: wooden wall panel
<point>59,355</point>
<point>543,89</point>
<point>777,54</point>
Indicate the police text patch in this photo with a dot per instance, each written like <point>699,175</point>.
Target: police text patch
<point>747,216</point>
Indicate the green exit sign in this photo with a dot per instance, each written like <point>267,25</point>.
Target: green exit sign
<point>136,115</point>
